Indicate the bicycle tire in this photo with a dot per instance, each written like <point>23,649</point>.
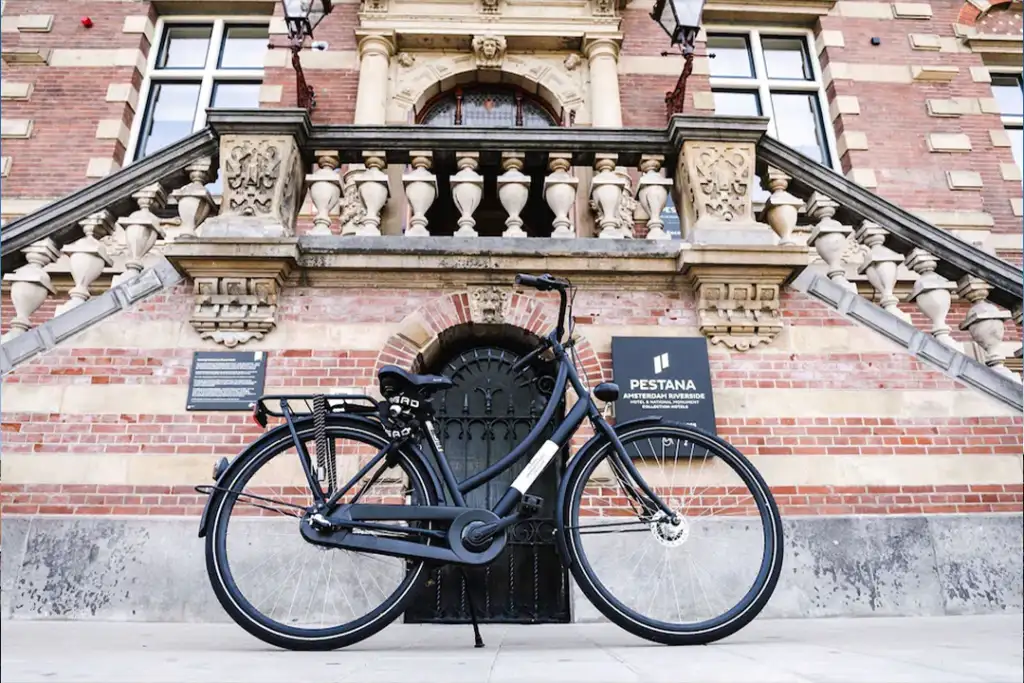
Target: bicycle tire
<point>655,630</point>
<point>238,607</point>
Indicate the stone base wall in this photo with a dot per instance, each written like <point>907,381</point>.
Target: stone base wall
<point>134,569</point>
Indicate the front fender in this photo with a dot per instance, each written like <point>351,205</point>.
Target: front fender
<point>572,472</point>
<point>300,425</point>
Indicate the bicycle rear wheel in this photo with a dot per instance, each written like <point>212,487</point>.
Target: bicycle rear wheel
<point>687,581</point>
<point>291,593</point>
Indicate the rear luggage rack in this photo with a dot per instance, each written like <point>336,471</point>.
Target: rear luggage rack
<point>293,405</point>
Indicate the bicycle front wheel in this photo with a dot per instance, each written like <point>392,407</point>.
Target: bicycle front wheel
<point>693,577</point>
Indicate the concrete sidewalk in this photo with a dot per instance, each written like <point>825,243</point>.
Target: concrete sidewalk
<point>936,649</point>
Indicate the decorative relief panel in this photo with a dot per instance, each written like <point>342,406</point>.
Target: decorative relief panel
<point>263,183</point>
<point>234,310</point>
<point>719,177</point>
<point>252,169</point>
<point>562,87</point>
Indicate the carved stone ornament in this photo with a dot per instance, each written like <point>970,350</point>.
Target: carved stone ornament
<point>406,60</point>
<point>604,7</point>
<point>490,6</point>
<point>572,62</point>
<point>352,211</point>
<point>740,315</point>
<point>488,304</point>
<point>374,6</point>
<point>719,178</point>
<point>489,51</point>
<point>234,310</point>
<point>263,180</point>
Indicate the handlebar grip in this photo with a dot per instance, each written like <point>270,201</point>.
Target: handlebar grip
<point>537,283</point>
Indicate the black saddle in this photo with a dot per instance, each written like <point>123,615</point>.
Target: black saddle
<point>394,381</point>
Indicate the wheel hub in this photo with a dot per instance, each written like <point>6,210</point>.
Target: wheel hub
<point>670,533</point>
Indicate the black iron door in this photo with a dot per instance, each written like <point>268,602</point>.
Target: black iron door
<point>481,419</point>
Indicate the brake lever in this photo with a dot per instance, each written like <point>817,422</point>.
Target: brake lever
<point>525,361</point>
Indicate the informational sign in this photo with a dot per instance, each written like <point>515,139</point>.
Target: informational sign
<point>226,380</point>
<point>666,376</point>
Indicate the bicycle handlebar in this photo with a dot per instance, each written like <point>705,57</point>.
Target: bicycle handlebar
<point>546,283</point>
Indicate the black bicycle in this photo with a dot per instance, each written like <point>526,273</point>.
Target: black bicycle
<point>329,544</point>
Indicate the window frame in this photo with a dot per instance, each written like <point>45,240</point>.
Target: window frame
<point>206,76</point>
<point>764,86</point>
<point>1011,121</point>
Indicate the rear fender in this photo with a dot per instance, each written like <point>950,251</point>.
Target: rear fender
<point>302,424</point>
<point>573,471</point>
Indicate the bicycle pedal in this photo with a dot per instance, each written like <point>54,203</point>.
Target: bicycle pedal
<point>530,505</point>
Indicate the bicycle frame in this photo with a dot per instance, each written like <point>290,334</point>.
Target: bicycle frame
<point>358,515</point>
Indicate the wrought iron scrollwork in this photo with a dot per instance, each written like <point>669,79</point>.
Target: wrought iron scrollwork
<point>480,419</point>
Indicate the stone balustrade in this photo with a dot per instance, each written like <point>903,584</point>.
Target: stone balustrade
<point>104,249</point>
<point>410,182</point>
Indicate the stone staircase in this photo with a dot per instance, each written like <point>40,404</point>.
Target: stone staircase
<point>900,262</point>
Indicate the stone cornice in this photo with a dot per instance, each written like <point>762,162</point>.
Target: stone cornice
<point>762,10</point>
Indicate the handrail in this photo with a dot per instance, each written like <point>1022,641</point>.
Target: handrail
<point>956,257</point>
<point>62,216</point>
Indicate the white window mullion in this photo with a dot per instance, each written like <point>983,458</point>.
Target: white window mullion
<point>206,88</point>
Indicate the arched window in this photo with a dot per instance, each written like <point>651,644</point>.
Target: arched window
<point>487,106</point>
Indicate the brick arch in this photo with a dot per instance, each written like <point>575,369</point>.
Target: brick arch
<point>973,10</point>
<point>420,332</point>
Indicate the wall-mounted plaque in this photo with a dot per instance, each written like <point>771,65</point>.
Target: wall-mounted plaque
<point>226,380</point>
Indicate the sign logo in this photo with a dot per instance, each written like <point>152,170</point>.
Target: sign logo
<point>660,363</point>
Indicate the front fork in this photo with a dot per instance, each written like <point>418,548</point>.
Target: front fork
<point>625,469</point>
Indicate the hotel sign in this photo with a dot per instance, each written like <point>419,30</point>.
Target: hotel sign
<point>666,376</point>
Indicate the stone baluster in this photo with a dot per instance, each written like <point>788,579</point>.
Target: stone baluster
<point>652,193</point>
<point>560,193</point>
<point>352,213</point>
<point>141,230</point>
<point>932,294</point>
<point>195,204</point>
<point>467,191</point>
<point>373,190</point>
<point>984,322</point>
<point>88,258</point>
<point>421,191</point>
<point>513,191</point>
<point>324,189</point>
<point>782,208</point>
<point>829,237</point>
<point>606,193</point>
<point>30,285</point>
<point>879,265</point>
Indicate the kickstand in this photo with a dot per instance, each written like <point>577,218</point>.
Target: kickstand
<point>478,641</point>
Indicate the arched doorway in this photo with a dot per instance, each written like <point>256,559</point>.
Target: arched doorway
<point>480,419</point>
<point>488,106</point>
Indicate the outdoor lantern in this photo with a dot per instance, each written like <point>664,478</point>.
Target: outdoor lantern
<point>302,16</point>
<point>680,19</point>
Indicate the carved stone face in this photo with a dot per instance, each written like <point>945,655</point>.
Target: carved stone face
<point>489,48</point>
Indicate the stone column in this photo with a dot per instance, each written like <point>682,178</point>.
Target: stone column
<point>603,55</point>
<point>375,52</point>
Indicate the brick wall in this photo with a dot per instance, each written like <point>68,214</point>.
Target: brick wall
<point>154,430</point>
<point>69,99</point>
<point>895,117</point>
